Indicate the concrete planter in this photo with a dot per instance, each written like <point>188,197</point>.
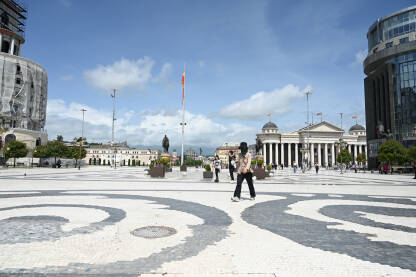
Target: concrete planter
<point>208,174</point>
<point>157,172</point>
<point>259,173</point>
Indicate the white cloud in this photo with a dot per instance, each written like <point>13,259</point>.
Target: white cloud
<point>276,102</point>
<point>122,74</point>
<point>65,119</point>
<point>359,57</point>
<point>68,77</point>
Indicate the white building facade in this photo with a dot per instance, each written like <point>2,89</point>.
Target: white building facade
<point>323,139</point>
<point>108,156</point>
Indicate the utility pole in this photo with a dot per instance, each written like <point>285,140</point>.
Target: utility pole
<point>82,137</point>
<point>307,120</point>
<point>113,95</point>
<point>341,118</point>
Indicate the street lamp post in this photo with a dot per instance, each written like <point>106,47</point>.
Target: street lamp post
<point>82,138</point>
<point>113,95</point>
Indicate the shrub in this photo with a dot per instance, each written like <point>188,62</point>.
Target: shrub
<point>207,167</point>
<point>269,167</point>
<point>260,162</point>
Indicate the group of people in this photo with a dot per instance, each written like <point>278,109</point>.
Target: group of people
<point>241,164</point>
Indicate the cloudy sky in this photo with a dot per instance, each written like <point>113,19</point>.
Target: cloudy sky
<point>244,59</point>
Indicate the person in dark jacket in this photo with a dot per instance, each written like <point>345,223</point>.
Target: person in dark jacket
<point>217,166</point>
<point>244,172</point>
<point>231,164</point>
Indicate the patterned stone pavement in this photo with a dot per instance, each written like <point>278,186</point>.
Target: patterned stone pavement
<point>66,222</point>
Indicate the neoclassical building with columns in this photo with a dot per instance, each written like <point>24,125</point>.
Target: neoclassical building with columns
<point>324,139</point>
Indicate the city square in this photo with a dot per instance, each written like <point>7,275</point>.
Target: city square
<point>57,222</point>
<point>207,138</point>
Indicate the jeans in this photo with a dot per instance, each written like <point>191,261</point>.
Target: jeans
<point>231,169</point>
<point>240,178</point>
<point>217,170</point>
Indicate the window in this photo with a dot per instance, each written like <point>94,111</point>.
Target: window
<point>18,81</point>
<point>389,44</point>
<point>404,40</point>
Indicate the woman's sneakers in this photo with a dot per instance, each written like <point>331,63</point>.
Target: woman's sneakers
<point>235,199</point>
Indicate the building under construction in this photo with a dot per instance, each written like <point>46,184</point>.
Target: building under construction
<point>23,83</point>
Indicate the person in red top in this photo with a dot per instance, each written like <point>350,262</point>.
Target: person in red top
<point>414,165</point>
<point>386,168</point>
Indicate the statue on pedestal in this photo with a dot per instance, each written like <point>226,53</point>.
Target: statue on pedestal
<point>165,144</point>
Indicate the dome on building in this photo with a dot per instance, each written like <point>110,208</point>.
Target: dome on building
<point>270,125</point>
<point>357,127</point>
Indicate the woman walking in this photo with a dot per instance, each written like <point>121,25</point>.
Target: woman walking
<point>217,166</point>
<point>244,172</point>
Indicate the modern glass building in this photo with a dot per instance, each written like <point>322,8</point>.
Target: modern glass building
<point>390,84</point>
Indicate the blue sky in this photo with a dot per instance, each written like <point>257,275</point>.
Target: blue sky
<point>244,59</point>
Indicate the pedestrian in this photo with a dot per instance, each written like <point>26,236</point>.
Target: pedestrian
<point>355,168</point>
<point>316,168</point>
<point>414,165</point>
<point>282,166</point>
<point>217,166</point>
<point>295,167</point>
<point>244,172</point>
<point>231,165</point>
<point>386,168</point>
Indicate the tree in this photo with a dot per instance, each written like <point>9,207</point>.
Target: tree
<point>411,152</point>
<point>15,149</point>
<point>133,162</point>
<point>361,158</point>
<point>56,149</point>
<point>40,152</point>
<point>391,152</point>
<point>59,138</point>
<point>344,156</point>
<point>76,154</point>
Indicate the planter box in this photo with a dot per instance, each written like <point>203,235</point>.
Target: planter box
<point>183,168</point>
<point>208,174</point>
<point>259,173</point>
<point>269,173</point>
<point>157,172</point>
<point>169,169</point>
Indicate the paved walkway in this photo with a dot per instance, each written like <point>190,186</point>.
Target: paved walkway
<point>104,222</point>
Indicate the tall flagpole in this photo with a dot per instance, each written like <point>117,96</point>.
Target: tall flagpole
<point>183,111</point>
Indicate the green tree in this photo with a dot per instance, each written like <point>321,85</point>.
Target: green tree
<point>57,149</point>
<point>59,138</point>
<point>15,149</point>
<point>344,156</point>
<point>40,152</point>
<point>411,152</point>
<point>76,154</point>
<point>133,163</point>
<point>391,152</point>
<point>362,158</point>
<point>128,163</point>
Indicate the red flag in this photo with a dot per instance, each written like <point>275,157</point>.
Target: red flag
<point>183,86</point>
<point>355,116</point>
<point>320,113</point>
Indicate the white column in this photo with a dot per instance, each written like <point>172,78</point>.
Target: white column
<point>289,154</point>
<point>276,146</point>
<point>296,154</point>
<point>355,152</point>
<point>319,155</point>
<point>312,154</point>
<point>326,154</point>
<point>11,47</point>
<point>1,40</point>
<point>349,148</point>
<point>360,149</point>
<point>270,153</point>
<point>264,152</point>
<point>333,154</point>
<point>282,153</point>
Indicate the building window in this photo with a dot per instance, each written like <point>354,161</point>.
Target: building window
<point>404,40</point>
<point>18,81</point>
<point>389,44</point>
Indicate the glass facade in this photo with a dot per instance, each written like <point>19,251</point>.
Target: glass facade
<point>392,27</point>
<point>405,95</point>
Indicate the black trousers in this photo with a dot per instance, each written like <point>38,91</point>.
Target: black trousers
<point>415,172</point>
<point>217,170</point>
<point>240,178</point>
<point>231,169</point>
